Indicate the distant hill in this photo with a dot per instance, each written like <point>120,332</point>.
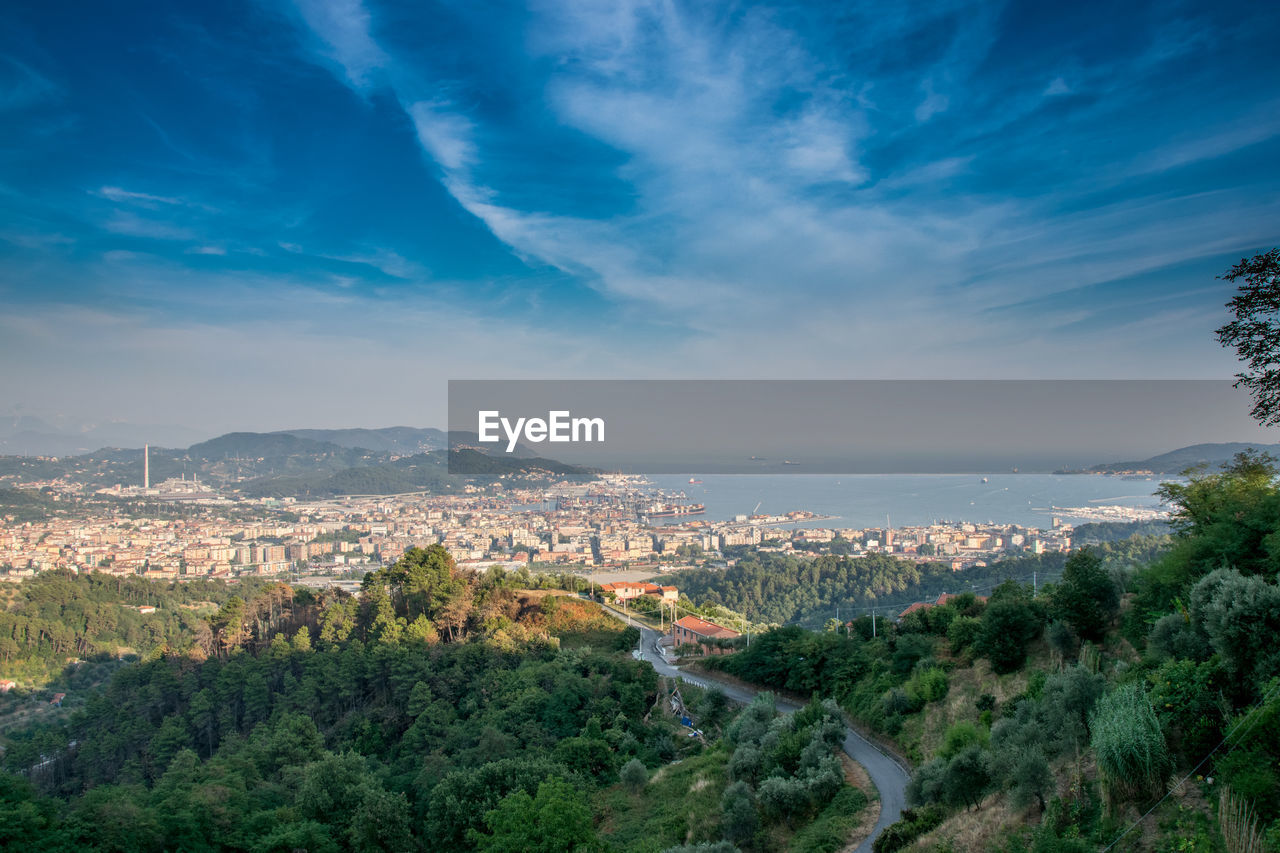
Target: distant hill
<point>260,445</point>
<point>400,440</point>
<point>436,471</point>
<point>1177,461</point>
<point>303,463</point>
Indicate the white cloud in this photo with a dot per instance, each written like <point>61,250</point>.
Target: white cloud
<point>132,225</point>
<point>342,26</point>
<point>445,133</point>
<point>117,194</point>
<point>932,104</point>
<point>731,136</point>
<point>1057,86</point>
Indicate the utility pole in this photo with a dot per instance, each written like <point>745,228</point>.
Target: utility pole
<point>1035,585</point>
<point>873,624</point>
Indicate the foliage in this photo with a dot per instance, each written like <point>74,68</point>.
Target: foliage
<point>1010,623</point>
<point>634,775</point>
<point>60,615</point>
<point>1086,598</point>
<point>354,731</point>
<point>1187,697</point>
<point>830,831</point>
<point>556,820</point>
<point>1240,616</point>
<point>1255,331</point>
<point>1130,747</point>
<point>1251,762</point>
<point>911,825</point>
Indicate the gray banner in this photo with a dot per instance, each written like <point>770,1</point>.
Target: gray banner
<point>845,426</point>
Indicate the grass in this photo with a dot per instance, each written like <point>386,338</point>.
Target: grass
<point>681,804</point>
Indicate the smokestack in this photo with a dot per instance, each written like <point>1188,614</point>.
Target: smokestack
<point>146,466</point>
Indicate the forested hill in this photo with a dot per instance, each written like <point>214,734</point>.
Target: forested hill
<point>442,710</point>
<point>780,588</point>
<point>1177,461</point>
<point>1131,705</point>
<point>288,465</point>
<point>96,618</point>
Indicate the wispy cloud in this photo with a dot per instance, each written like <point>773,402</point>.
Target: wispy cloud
<point>21,86</point>
<point>745,152</point>
<point>932,104</point>
<point>1252,129</point>
<point>1057,86</point>
<point>133,225</point>
<point>342,28</point>
<point>118,194</point>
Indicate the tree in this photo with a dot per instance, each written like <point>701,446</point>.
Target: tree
<point>1255,331</point>
<point>1086,598</point>
<point>557,820</point>
<point>966,779</point>
<point>1008,627</point>
<point>1241,617</point>
<point>1030,779</point>
<point>634,775</point>
<point>739,820</point>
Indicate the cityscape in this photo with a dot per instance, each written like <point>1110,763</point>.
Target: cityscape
<point>640,426</point>
<point>583,528</point>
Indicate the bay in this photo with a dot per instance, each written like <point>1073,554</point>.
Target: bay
<point>864,500</point>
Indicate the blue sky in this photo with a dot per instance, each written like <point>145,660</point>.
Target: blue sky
<point>264,215</point>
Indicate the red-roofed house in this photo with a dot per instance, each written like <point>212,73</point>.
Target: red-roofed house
<point>943,600</point>
<point>626,590</point>
<point>691,629</point>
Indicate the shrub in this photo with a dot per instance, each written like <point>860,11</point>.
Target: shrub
<point>962,632</point>
<point>1129,744</point>
<point>961,736</point>
<point>634,775</point>
<point>738,820</point>
<point>928,684</point>
<point>1008,627</point>
<point>913,824</point>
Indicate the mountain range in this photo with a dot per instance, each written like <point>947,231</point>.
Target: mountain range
<point>1177,461</point>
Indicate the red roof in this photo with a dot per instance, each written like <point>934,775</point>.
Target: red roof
<point>703,628</point>
<point>943,600</point>
<point>641,588</point>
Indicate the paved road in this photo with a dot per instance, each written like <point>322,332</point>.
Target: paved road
<point>886,774</point>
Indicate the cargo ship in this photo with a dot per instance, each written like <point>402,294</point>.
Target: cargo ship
<point>666,510</point>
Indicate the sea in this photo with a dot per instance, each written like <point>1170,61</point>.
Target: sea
<point>867,500</point>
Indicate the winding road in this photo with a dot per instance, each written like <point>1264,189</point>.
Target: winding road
<point>889,777</point>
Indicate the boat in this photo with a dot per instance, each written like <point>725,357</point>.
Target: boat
<point>985,480</point>
<point>694,482</point>
<point>668,510</point>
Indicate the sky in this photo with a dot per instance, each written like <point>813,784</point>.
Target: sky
<point>264,215</point>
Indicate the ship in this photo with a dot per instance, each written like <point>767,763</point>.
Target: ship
<point>668,510</point>
<point>694,482</point>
